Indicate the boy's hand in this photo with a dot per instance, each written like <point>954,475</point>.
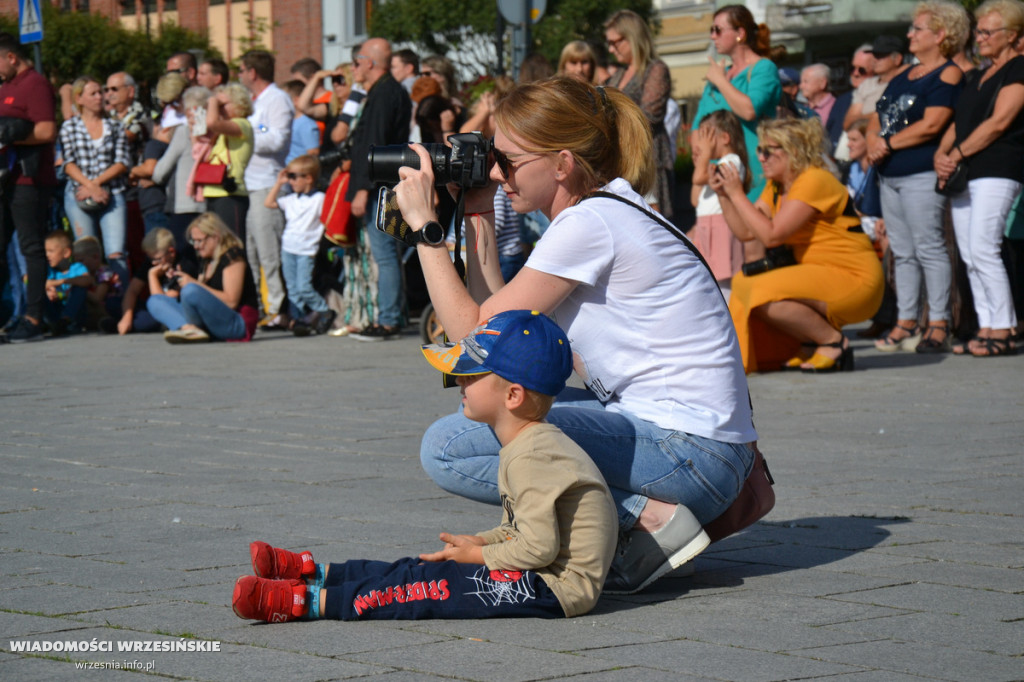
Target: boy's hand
<point>464,549</point>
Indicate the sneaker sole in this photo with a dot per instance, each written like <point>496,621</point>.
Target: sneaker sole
<point>687,553</point>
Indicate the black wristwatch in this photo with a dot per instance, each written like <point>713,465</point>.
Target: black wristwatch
<point>431,234</point>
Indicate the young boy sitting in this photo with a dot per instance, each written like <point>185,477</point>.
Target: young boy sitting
<point>301,241</point>
<point>103,299</point>
<point>150,278</point>
<point>66,284</point>
<point>547,559</point>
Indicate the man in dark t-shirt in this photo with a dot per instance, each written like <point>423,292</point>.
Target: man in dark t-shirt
<point>25,195</point>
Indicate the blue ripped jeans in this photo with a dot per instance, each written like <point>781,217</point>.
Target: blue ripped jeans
<point>638,459</point>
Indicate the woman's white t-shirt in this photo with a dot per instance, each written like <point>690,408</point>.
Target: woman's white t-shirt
<point>649,329</point>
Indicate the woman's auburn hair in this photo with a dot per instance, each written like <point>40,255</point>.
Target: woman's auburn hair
<point>210,224</point>
<point>605,131</point>
<point>803,140</point>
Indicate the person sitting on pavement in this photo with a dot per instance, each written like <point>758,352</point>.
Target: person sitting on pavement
<point>103,298</point>
<point>66,284</point>
<point>221,303</point>
<point>557,534</point>
<point>160,247</point>
<point>617,279</point>
<point>832,277</point>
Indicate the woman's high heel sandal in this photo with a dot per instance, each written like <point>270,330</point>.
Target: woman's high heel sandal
<point>887,344</point>
<point>820,364</point>
<point>793,364</point>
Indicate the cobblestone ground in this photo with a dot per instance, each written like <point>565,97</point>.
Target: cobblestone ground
<point>134,475</point>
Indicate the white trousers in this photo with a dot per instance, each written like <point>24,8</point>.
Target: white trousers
<point>979,219</point>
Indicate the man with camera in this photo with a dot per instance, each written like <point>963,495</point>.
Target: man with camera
<point>271,119</point>
<point>384,120</point>
<point>25,192</point>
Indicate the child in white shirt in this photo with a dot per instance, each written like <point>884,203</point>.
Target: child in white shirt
<point>300,242</point>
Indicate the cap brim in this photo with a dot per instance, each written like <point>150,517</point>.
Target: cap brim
<point>451,358</point>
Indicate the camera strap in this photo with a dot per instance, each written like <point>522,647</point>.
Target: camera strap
<point>676,232</point>
<point>460,210</point>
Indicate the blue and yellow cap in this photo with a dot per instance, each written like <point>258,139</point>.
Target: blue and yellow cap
<point>521,346</point>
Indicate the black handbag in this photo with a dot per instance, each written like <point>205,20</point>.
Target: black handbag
<point>956,183</point>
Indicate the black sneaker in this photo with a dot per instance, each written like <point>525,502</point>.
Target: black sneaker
<point>26,332</point>
<point>377,332</point>
<point>324,322</point>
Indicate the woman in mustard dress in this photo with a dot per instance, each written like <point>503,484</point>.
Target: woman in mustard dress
<point>790,316</point>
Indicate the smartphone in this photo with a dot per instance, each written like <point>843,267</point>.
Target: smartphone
<point>389,217</point>
<point>198,121</point>
<point>338,79</point>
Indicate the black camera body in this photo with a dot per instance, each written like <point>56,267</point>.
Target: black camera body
<point>466,163</point>
<point>774,258</point>
<point>229,184</point>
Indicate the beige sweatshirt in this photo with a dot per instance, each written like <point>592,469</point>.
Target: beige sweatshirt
<point>559,518</point>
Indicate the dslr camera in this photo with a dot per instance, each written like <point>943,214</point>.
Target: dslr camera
<point>466,163</point>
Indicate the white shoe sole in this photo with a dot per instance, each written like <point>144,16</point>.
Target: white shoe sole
<point>687,553</point>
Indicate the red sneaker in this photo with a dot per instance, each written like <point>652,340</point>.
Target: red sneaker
<point>274,562</point>
<point>273,601</point>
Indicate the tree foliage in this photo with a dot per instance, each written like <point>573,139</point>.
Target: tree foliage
<point>448,26</point>
<point>81,43</point>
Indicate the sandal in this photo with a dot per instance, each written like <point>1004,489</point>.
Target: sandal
<point>887,344</point>
<point>820,364</point>
<point>994,347</point>
<point>930,345</point>
<point>966,347</point>
<point>793,364</point>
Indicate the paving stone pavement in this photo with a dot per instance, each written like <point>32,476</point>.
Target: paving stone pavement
<point>133,475</point>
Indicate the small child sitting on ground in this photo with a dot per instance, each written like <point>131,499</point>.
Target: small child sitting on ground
<point>66,284</point>
<point>150,278</point>
<point>103,299</point>
<point>301,241</point>
<point>547,559</point>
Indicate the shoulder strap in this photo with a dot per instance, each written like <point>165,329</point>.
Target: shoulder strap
<point>676,232</point>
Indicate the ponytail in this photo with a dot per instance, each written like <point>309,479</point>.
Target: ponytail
<point>605,131</point>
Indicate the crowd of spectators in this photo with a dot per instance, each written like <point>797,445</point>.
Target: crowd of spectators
<point>865,203</point>
<point>808,195</point>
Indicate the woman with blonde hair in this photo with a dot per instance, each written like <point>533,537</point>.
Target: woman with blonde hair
<point>827,275</point>
<point>617,278</point>
<point>97,160</point>
<point>645,79</point>
<point>913,113</point>
<point>230,143</point>
<point>578,60</point>
<point>221,303</point>
<point>987,136</point>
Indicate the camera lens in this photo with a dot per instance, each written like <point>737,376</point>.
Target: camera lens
<point>385,160</point>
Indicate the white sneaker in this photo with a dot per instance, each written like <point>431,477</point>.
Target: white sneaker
<point>641,557</point>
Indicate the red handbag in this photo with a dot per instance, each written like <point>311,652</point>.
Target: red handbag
<point>755,500</point>
<point>339,225</point>
<point>211,173</point>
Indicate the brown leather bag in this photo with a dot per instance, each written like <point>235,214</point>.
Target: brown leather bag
<point>755,500</point>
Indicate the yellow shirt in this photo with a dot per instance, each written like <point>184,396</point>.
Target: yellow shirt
<point>234,152</point>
